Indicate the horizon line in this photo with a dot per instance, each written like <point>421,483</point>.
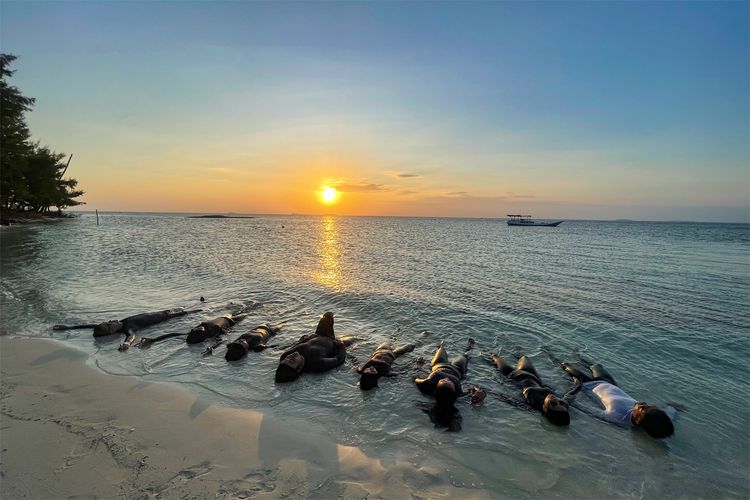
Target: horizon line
<point>294,214</point>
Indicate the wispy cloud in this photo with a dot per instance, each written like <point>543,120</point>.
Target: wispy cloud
<point>402,175</point>
<point>353,186</point>
<point>458,193</point>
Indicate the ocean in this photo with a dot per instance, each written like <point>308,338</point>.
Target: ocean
<point>663,306</point>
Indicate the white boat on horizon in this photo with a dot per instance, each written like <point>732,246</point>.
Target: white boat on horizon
<point>526,220</point>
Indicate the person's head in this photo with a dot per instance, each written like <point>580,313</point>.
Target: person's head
<point>197,334</point>
<point>236,350</point>
<point>290,367</point>
<point>654,421</point>
<point>368,379</point>
<point>445,393</point>
<point>325,326</point>
<point>556,410</point>
<point>107,328</point>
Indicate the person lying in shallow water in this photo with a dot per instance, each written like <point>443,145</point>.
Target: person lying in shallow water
<point>444,383</point>
<point>255,340</point>
<point>312,353</point>
<point>379,364</point>
<point>129,325</point>
<point>537,395</point>
<point>616,405</point>
<point>213,328</point>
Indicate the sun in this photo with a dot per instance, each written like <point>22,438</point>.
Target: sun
<point>329,195</point>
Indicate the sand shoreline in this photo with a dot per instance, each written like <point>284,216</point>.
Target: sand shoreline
<point>70,430</point>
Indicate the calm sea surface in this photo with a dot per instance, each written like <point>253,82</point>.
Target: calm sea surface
<point>664,306</point>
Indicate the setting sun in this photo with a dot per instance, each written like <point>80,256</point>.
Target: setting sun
<point>329,195</point>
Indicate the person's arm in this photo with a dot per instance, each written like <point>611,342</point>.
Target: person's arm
<point>177,312</point>
<point>74,327</point>
<point>145,342</point>
<point>569,396</point>
<point>426,385</point>
<point>324,364</point>
<point>313,364</point>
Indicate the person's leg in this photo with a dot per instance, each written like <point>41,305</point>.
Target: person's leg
<point>600,373</point>
<point>501,365</point>
<point>385,345</point>
<point>440,356</point>
<point>576,373</point>
<point>525,364</point>
<point>462,363</point>
<point>403,350</point>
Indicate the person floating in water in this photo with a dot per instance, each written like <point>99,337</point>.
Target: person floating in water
<point>618,407</point>
<point>129,325</point>
<point>312,353</point>
<point>213,328</point>
<point>379,364</point>
<point>255,340</point>
<point>537,395</point>
<point>444,384</point>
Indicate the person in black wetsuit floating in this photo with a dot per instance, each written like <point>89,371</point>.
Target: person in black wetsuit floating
<point>537,395</point>
<point>444,384</point>
<point>129,325</point>
<point>255,340</point>
<point>379,364</point>
<point>312,353</point>
<point>213,328</point>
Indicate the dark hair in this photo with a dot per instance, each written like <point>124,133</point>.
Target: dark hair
<point>656,423</point>
<point>290,367</point>
<point>197,335</point>
<point>557,417</point>
<point>368,381</point>
<point>235,351</point>
<point>445,394</point>
<point>285,373</point>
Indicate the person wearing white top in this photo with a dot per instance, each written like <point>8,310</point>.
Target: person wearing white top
<point>617,406</point>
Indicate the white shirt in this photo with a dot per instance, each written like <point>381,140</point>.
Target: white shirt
<point>618,405</point>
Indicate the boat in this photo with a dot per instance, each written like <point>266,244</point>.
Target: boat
<point>526,220</point>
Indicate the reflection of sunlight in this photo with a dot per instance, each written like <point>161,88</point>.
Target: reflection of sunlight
<point>329,273</point>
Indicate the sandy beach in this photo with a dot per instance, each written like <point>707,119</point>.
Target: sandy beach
<point>70,430</point>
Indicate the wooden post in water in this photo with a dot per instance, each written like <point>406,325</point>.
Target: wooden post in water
<point>97,216</point>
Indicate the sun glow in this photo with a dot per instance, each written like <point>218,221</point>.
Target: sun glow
<point>329,195</point>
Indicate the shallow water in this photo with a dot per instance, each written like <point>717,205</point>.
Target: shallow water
<point>664,306</point>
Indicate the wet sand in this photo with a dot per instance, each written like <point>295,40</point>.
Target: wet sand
<point>67,429</point>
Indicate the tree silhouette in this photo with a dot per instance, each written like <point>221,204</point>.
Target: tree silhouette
<point>31,175</point>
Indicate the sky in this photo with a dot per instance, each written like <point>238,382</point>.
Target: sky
<point>582,110</point>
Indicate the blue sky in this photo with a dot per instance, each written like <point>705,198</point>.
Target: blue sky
<point>572,110</point>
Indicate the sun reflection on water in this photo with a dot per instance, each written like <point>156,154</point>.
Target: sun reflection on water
<point>329,271</point>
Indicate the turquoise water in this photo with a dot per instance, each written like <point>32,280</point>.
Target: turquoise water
<point>664,306</point>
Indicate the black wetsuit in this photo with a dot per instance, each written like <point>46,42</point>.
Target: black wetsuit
<point>442,368</point>
<point>256,339</point>
<point>211,328</point>
<point>526,376</point>
<point>321,353</point>
<point>383,358</point>
<point>132,324</point>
